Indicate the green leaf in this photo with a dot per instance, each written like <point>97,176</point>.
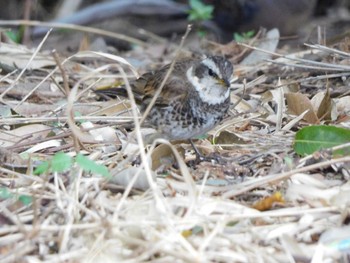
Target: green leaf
<point>200,11</point>
<point>90,166</point>
<point>25,199</point>
<point>244,36</point>
<point>5,193</point>
<point>249,34</point>
<point>202,33</point>
<point>14,36</point>
<point>61,162</point>
<point>315,138</point>
<point>78,114</point>
<point>42,168</point>
<point>238,37</point>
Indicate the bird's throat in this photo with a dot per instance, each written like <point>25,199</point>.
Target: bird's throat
<point>208,91</point>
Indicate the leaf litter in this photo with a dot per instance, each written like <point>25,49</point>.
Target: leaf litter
<point>259,201</point>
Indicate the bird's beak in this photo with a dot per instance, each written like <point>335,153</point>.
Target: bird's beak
<point>224,82</point>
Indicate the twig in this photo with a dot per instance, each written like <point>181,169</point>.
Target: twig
<point>63,72</point>
<point>22,72</point>
<point>26,16</point>
<point>122,119</point>
<point>274,178</point>
<point>159,90</point>
<point>145,164</point>
<point>75,27</point>
<point>321,65</point>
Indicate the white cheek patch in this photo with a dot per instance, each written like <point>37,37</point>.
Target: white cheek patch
<point>212,95</point>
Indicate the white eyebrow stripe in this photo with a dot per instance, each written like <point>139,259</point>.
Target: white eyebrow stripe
<point>210,64</point>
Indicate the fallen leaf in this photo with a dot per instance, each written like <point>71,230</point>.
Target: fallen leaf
<point>19,56</point>
<point>343,105</point>
<point>268,202</point>
<point>268,44</point>
<point>24,134</point>
<point>126,176</point>
<point>298,103</point>
<point>228,139</point>
<point>325,107</point>
<point>161,155</point>
<point>315,138</point>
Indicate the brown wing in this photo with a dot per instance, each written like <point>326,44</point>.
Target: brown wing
<point>138,87</point>
<point>176,86</point>
<point>145,87</point>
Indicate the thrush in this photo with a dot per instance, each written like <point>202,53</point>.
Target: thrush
<point>194,99</point>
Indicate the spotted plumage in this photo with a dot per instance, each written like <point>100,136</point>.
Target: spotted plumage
<point>194,99</point>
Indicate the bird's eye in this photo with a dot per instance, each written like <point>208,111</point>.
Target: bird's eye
<point>211,73</point>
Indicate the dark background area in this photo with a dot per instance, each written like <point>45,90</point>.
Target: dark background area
<point>297,19</point>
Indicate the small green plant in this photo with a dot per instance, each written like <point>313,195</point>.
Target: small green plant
<point>90,166</point>
<point>15,36</point>
<point>62,162</point>
<point>241,37</point>
<point>200,12</point>
<point>78,114</point>
<point>6,194</point>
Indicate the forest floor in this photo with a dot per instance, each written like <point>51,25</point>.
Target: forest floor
<point>78,184</point>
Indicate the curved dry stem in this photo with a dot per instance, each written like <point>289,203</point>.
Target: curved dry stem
<point>73,27</point>
<point>167,75</point>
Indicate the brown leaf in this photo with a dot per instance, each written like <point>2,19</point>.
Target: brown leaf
<point>229,138</point>
<point>160,155</point>
<point>324,110</point>
<point>23,134</point>
<point>299,103</point>
<point>125,176</point>
<point>11,159</point>
<point>268,202</point>
<point>84,43</point>
<point>20,55</point>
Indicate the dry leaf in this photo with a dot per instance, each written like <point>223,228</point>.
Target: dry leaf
<point>343,105</point>
<point>298,103</point>
<point>325,108</point>
<point>24,134</point>
<point>44,145</point>
<point>18,56</point>
<point>10,158</point>
<point>268,202</point>
<point>84,44</point>
<point>126,176</point>
<point>278,97</point>
<point>268,44</point>
<point>227,138</point>
<point>242,106</point>
<point>161,155</point>
<point>103,134</point>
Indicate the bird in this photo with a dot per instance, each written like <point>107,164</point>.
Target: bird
<point>193,100</point>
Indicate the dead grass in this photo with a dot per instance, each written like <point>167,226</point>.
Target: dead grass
<point>167,212</point>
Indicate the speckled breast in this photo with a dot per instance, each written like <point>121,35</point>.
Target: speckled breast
<point>181,121</point>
